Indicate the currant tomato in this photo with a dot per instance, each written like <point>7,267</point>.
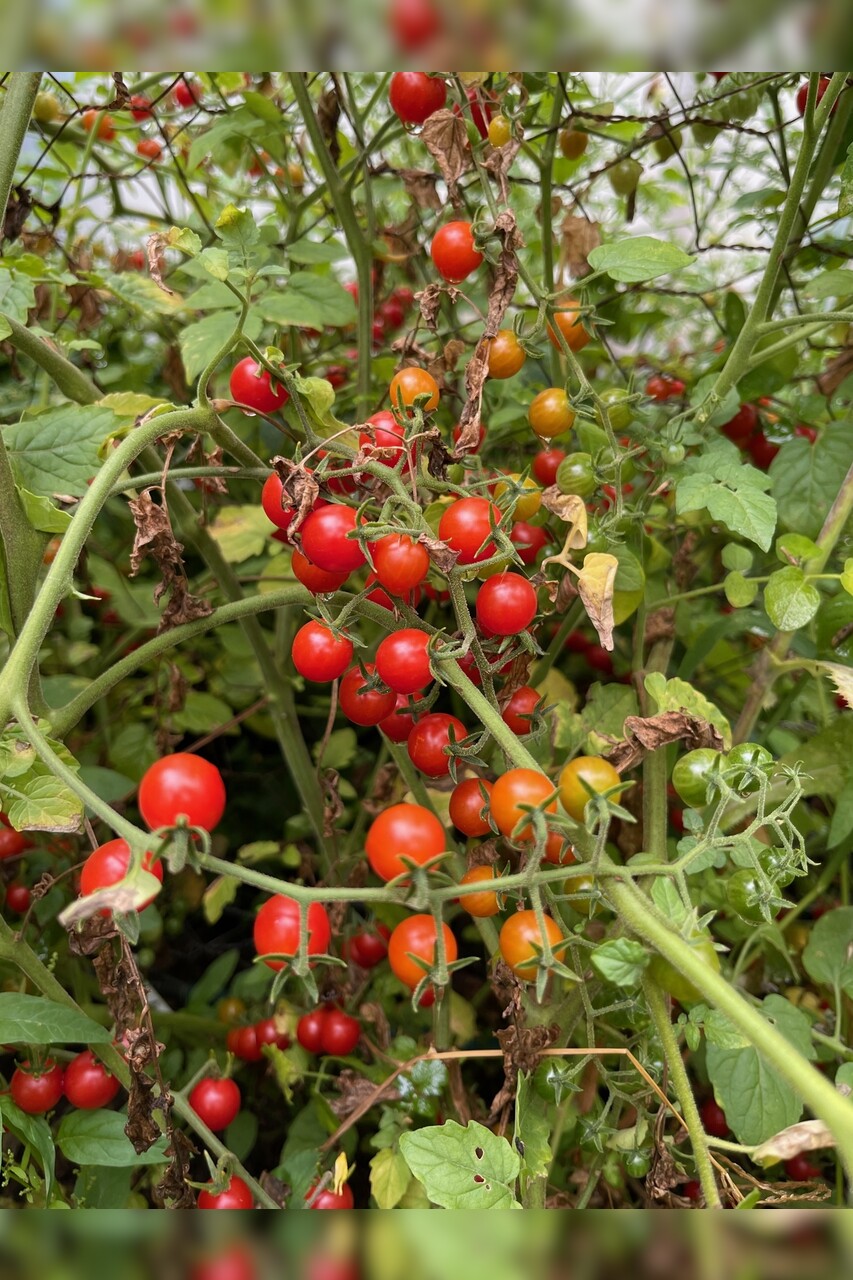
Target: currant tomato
<point>506,355</point>
<point>469,802</point>
<point>12,843</point>
<point>619,412</point>
<point>519,711</point>
<point>340,1033</point>
<point>18,898</point>
<point>453,251</point>
<point>513,793</point>
<point>568,321</point>
<point>714,1119</point>
<point>691,776</point>
<point>149,149</point>
<point>266,1032</point>
<point>182,785</point>
<point>108,864</point>
<point>480,905</point>
<point>309,1030</point>
<point>581,776</point>
<point>549,414</point>
<point>414,95</point>
<point>415,939</point>
<point>401,563</point>
<point>276,931</point>
<point>403,831</point>
<point>398,725</point>
<point>411,382</point>
<point>673,980</point>
<point>368,949</point>
<point>362,705</point>
<point>402,660</point>
<point>327,540</point>
<point>661,386</point>
<point>521,942</point>
<point>467,526</point>
<point>318,654</point>
<point>251,385</point>
<point>528,540</point>
<point>429,741</point>
<point>243,1043</point>
<point>235,1196</point>
<point>387,436</point>
<point>88,1085</point>
<point>506,604</point>
<point>320,582</point>
<point>739,428</point>
<point>215,1102</point>
<point>37,1091</point>
<point>545,464</point>
<point>271,501</point>
<point>392,313</point>
<point>140,106</point>
<point>330,1199</point>
<point>100,122</point>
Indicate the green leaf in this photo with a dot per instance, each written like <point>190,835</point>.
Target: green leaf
<point>805,476</point>
<point>140,293</point>
<point>98,1188</point>
<point>743,509</point>
<point>318,397</point>
<point>828,956</point>
<point>215,979</point>
<point>757,1101</point>
<point>463,1168</point>
<point>106,783</point>
<point>841,825</point>
<point>199,340</point>
<point>621,961</point>
<point>37,1020</point>
<point>17,295</point>
<point>638,258</point>
<point>389,1178</point>
<point>740,592</point>
<point>202,712</point>
<point>215,262</point>
<point>218,895</point>
<point>845,195</point>
<point>340,749</point>
<point>678,695</point>
<point>56,450</point>
<point>789,600</point>
<point>736,557</point>
<point>724,411</point>
<point>185,240</point>
<point>236,229</point>
<point>98,1137</point>
<point>35,1132</point>
<point>533,1118</point>
<point>830,284</point>
<point>308,301</point>
<point>42,514</point>
<point>314,251</point>
<point>668,901</point>
<point>795,546</point>
<point>39,802</point>
<point>242,532</point>
<point>846,578</point>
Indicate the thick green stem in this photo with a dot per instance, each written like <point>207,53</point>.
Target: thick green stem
<point>655,811</point>
<point>21,91</point>
<point>70,380</point>
<point>689,1111</point>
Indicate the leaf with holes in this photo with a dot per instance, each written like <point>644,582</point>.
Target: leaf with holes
<point>463,1168</point>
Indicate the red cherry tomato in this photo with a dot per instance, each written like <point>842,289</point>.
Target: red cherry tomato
<point>364,706</point>
<point>101,122</point>
<point>340,1033</point>
<point>403,831</point>
<point>271,496</point>
<point>528,540</point>
<point>88,1085</point>
<point>387,437</point>
<point>140,106</point>
<point>401,563</point>
<point>714,1119</point>
<point>519,711</point>
<point>803,93</point>
<point>318,581</point>
<point>558,851</point>
<point>402,661</point>
<point>108,864</point>
<point>36,1091</point>
<point>466,526</point>
<point>506,604</point>
<point>235,1196</point>
<point>661,386</point>
<point>368,949</point>
<point>415,939</point>
<point>232,1261</point>
<point>521,942</point>
<point>12,843</point>
<point>392,313</point>
<point>761,450</point>
<point>481,112</point>
<point>453,251</point>
<point>18,898</point>
<point>182,785</point>
<point>266,1032</point>
<point>512,793</point>
<point>215,1102</point>
<point>545,464</point>
<point>309,1030</point>
<point>187,93</point>
<point>276,931</point>
<point>414,95</point>
<point>809,433</point>
<point>329,1199</point>
<point>149,149</point>
<point>251,385</point>
<point>243,1043</point>
<point>480,905</point>
<point>326,539</point>
<point>469,801</point>
<point>739,428</point>
<point>414,23</point>
<point>398,725</point>
<point>429,740</point>
<point>318,654</point>
<point>800,1168</point>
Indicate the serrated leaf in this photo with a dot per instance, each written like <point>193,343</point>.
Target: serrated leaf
<point>17,295</point>
<point>309,301</point>
<point>805,476</point>
<point>42,514</point>
<point>463,1168</point>
<point>621,961</point>
<point>756,1100</point>
<point>668,901</point>
<point>140,293</point>
<point>36,1020</point>
<point>185,240</point>
<point>389,1178</point>
<point>200,339</point>
<point>638,258</point>
<point>828,956</point>
<point>215,262</point>
<point>241,532</point>
<point>98,1137</point>
<point>236,228</point>
<point>789,600</point>
<point>744,510</point>
<point>57,450</point>
<point>132,404</point>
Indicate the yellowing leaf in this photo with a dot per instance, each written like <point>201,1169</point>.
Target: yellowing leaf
<point>219,894</point>
<point>841,677</point>
<point>241,532</point>
<point>595,584</point>
<point>678,695</point>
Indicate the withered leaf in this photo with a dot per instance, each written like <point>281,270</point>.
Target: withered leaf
<point>154,537</point>
<point>522,1049</point>
<point>808,1135</point>
<point>354,1090</point>
<point>299,490</point>
<point>499,161</point>
<point>328,114</point>
<point>429,301</point>
<point>451,353</point>
<point>516,676</point>
<point>173,1190</point>
<point>648,733</point>
<point>572,509</point>
<point>333,805</point>
<point>439,457</point>
<point>595,588</point>
<point>420,186</point>
<point>439,552</point>
<point>836,371</point>
<point>375,1016</point>
<point>660,625</point>
<point>578,237</point>
<point>446,139</point>
<point>155,244</point>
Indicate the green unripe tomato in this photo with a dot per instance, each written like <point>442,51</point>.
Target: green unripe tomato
<point>637,1163</point>
<point>668,143</point>
<point>46,108</point>
<point>619,412</point>
<point>774,864</point>
<point>673,981</point>
<point>690,776</point>
<point>456,473</point>
<point>575,475</point>
<point>624,177</point>
<point>672,453</point>
<point>553,1079</point>
<point>743,892</point>
<point>745,757</point>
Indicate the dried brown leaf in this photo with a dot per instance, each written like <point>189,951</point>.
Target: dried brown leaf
<point>595,587</point>
<point>445,137</point>
<point>375,1016</point>
<point>648,733</point>
<point>420,187</point>
<point>333,805</point>
<point>500,160</point>
<point>578,237</point>
<point>354,1090</point>
<point>572,509</point>
<point>439,552</point>
<point>429,301</point>
<point>155,244</point>
<point>154,537</point>
<point>328,114</point>
<point>808,1135</point>
<point>299,490</point>
<point>835,372</point>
